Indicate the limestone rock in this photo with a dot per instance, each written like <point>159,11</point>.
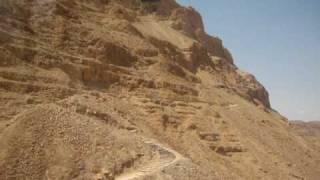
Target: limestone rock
<point>133,89</point>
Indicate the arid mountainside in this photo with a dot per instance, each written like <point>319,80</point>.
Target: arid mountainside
<point>310,131</point>
<point>133,89</point>
<point>311,128</point>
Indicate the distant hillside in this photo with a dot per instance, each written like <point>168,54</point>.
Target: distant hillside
<point>311,128</point>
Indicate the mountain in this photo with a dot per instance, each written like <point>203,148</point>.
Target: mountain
<point>133,89</point>
<point>309,130</point>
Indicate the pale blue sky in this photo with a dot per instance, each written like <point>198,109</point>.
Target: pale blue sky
<point>276,40</point>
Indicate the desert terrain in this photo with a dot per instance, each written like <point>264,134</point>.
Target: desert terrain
<point>134,89</point>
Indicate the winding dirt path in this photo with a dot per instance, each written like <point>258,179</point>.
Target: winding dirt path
<point>165,157</point>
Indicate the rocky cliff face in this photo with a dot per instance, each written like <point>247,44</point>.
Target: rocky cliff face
<point>133,89</point>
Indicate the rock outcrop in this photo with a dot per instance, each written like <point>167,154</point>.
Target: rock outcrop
<point>87,86</point>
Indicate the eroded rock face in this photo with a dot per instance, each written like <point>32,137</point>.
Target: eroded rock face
<point>87,86</point>
<point>190,22</point>
<point>254,89</point>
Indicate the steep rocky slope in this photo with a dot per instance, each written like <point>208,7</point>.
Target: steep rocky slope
<point>133,89</point>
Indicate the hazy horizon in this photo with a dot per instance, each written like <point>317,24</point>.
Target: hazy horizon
<point>278,42</point>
